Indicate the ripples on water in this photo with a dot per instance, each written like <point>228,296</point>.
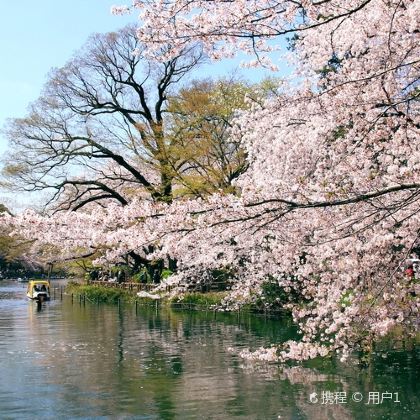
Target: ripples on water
<point>94,361</point>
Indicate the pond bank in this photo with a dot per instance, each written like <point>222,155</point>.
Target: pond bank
<point>115,293</point>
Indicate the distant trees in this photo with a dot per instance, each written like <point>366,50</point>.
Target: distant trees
<point>112,124</point>
<point>201,117</point>
<point>209,150</point>
<point>12,250</point>
<point>98,130</point>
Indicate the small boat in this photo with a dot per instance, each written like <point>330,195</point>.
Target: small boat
<point>38,290</point>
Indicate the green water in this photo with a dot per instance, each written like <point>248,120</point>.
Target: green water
<point>68,360</point>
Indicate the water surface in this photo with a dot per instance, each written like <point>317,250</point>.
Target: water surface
<point>67,360</point>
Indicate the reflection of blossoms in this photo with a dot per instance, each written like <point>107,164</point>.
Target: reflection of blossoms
<point>304,381</point>
<point>293,350</point>
<point>263,354</point>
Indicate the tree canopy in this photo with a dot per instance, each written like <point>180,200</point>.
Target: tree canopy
<point>98,129</point>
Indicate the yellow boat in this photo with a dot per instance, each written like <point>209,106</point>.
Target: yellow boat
<point>38,290</point>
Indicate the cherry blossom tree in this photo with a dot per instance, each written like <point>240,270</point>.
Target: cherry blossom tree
<point>330,203</point>
<point>329,206</point>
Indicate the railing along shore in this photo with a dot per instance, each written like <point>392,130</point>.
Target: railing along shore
<point>147,287</point>
<point>132,286</point>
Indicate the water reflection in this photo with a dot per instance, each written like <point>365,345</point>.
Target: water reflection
<point>76,360</point>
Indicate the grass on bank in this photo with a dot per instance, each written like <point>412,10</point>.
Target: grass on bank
<point>98,293</point>
<point>189,300</point>
<point>113,295</point>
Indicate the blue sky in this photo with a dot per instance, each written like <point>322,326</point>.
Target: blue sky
<point>38,35</point>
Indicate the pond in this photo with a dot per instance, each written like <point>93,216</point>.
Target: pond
<point>71,360</point>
